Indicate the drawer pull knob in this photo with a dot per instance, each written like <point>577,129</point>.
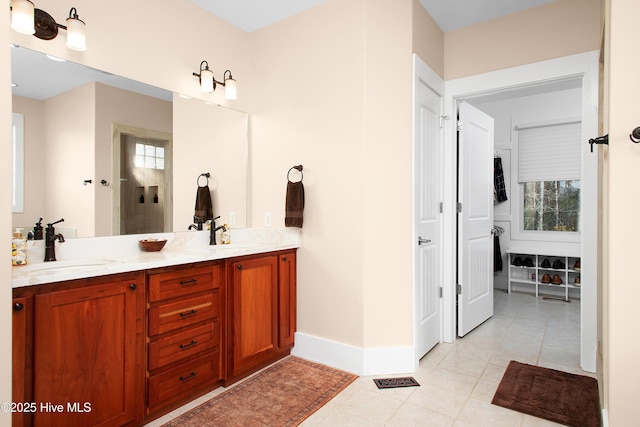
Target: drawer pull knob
<point>133,286</point>
<point>18,306</point>
<point>191,344</point>
<point>188,377</point>
<point>188,282</point>
<point>188,313</point>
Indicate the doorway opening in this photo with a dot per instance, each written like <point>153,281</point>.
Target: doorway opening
<point>143,184</point>
<point>580,74</point>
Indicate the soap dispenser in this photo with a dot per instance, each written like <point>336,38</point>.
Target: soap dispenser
<point>18,248</point>
<point>225,235</point>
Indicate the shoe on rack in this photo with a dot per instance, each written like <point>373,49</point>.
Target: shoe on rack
<point>546,279</point>
<point>576,266</point>
<point>545,263</point>
<point>528,262</point>
<point>517,262</point>
<point>577,281</point>
<point>556,280</point>
<point>558,265</point>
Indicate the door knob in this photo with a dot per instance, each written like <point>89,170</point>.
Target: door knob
<point>423,241</point>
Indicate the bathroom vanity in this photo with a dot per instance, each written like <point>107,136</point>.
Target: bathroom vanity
<point>122,342</point>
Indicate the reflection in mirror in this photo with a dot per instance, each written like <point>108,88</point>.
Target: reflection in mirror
<point>212,139</point>
<point>17,128</point>
<point>71,119</point>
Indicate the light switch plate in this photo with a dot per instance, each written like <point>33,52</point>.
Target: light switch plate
<point>267,219</point>
<point>232,218</point>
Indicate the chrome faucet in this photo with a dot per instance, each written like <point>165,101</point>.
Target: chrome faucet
<point>50,241</point>
<point>212,236</point>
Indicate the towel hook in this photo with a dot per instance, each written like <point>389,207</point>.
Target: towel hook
<point>299,169</point>
<point>207,175</point>
<point>635,135</point>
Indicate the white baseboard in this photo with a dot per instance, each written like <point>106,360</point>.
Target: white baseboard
<point>360,361</point>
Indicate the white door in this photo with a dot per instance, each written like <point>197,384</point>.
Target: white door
<point>475,217</point>
<point>427,216</point>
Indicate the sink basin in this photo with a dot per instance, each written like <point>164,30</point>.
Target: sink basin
<point>71,264</point>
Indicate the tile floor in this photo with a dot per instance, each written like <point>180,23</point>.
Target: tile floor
<point>457,381</point>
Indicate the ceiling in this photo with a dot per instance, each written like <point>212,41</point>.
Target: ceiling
<point>251,15</point>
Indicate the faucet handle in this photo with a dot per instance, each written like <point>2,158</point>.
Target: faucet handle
<point>55,222</point>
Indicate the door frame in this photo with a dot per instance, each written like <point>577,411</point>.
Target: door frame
<point>584,65</point>
<point>421,71</point>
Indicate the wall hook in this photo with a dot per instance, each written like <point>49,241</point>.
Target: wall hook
<point>87,181</point>
<point>599,140</point>
<point>104,182</point>
<point>635,135</point>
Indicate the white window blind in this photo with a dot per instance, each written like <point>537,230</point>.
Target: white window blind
<point>549,152</point>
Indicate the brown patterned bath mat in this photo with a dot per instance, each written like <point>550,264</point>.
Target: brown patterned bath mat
<point>556,396</point>
<point>284,394</point>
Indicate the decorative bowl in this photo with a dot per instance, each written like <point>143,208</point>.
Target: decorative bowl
<point>151,245</point>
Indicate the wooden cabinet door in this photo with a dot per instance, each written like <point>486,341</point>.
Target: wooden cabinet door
<point>19,355</point>
<point>287,299</point>
<point>85,354</point>
<point>255,311</point>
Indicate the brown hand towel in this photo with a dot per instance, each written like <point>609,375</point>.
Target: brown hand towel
<point>294,204</point>
<point>204,207</point>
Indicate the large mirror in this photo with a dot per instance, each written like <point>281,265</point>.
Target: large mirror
<point>79,124</point>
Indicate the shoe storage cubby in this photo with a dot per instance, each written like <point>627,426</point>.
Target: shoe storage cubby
<point>544,272</point>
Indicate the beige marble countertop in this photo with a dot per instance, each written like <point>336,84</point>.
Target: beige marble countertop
<point>88,257</point>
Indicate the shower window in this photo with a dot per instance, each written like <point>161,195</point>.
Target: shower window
<point>149,156</point>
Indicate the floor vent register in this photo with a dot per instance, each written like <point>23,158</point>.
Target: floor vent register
<point>396,382</point>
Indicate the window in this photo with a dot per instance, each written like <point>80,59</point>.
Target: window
<point>18,162</point>
<point>149,156</point>
<point>549,177</point>
<point>551,206</point>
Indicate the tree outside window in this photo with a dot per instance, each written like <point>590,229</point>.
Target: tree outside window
<point>552,205</point>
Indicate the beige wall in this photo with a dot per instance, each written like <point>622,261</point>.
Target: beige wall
<point>307,107</point>
<point>70,150</point>
<point>622,350</point>
<point>212,139</point>
<point>553,30</point>
<point>428,39</point>
<point>119,106</point>
<point>336,98</point>
<point>35,156</point>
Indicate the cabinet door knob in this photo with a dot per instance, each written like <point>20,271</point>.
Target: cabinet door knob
<point>284,258</point>
<point>239,266</point>
<point>133,286</point>
<point>18,306</point>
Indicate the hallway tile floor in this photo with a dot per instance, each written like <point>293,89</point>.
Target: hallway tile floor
<point>457,381</point>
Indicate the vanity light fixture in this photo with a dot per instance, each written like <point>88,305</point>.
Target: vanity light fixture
<point>26,19</point>
<point>22,12</point>
<point>208,82</point>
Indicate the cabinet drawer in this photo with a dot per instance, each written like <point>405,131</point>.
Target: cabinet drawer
<point>185,312</point>
<point>179,345</point>
<point>174,284</point>
<point>172,384</point>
